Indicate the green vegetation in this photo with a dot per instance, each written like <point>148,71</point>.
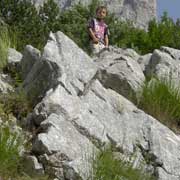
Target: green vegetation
<point>15,103</point>
<point>12,141</point>
<point>9,152</point>
<point>7,40</point>
<point>26,25</point>
<point>107,167</point>
<point>161,99</point>
<point>11,144</point>
<point>33,27</point>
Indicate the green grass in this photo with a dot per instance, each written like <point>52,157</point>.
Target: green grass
<point>7,40</point>
<point>15,103</point>
<point>26,177</point>
<point>161,99</point>
<point>10,144</point>
<point>106,167</point>
<point>11,166</point>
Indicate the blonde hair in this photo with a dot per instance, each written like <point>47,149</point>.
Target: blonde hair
<point>100,8</point>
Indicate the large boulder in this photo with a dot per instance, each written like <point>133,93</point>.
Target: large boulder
<point>73,125</point>
<point>14,57</point>
<point>119,70</point>
<point>165,63</point>
<point>78,114</point>
<point>30,56</point>
<point>62,62</point>
<point>70,153</point>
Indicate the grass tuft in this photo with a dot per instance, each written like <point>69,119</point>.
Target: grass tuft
<point>15,103</point>
<point>107,167</point>
<point>161,99</point>
<point>7,40</point>
<point>10,144</point>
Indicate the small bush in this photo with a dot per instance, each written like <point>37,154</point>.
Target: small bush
<point>161,99</point>
<point>106,167</point>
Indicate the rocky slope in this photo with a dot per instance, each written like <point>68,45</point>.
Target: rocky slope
<point>83,106</point>
<point>138,11</point>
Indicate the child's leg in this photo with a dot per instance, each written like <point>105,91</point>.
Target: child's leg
<point>96,48</point>
<point>101,46</point>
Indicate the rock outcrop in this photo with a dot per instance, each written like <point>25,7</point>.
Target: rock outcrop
<point>138,11</point>
<point>164,63</point>
<point>13,59</point>
<point>82,109</point>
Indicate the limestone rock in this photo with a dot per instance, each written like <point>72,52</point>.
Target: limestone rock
<point>144,61</point>
<point>165,63</point>
<point>100,117</point>
<point>61,62</point>
<point>30,56</point>
<point>5,86</point>
<point>69,149</point>
<point>121,72</point>
<point>14,59</point>
<point>14,56</point>
<point>174,53</point>
<point>32,166</point>
<point>78,114</point>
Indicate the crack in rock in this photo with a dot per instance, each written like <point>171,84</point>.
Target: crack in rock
<point>82,130</point>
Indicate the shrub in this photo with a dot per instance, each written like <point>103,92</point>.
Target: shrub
<point>161,99</point>
<point>107,167</point>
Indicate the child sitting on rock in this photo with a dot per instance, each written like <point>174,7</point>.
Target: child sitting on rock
<point>98,31</point>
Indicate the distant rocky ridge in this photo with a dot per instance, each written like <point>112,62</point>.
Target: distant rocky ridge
<point>138,11</point>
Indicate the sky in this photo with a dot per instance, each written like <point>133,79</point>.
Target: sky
<point>171,6</point>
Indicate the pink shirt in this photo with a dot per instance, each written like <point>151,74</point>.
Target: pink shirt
<point>99,28</point>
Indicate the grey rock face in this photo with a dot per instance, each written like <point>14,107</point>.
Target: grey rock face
<point>100,117</point>
<point>66,147</point>
<point>14,56</point>
<point>144,61</point>
<point>32,166</point>
<point>5,86</point>
<point>138,11</point>
<point>61,62</point>
<point>14,60</point>
<point>77,115</point>
<point>165,63</point>
<point>30,56</point>
<point>119,70</point>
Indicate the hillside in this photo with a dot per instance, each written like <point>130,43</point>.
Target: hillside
<point>66,114</point>
<point>138,11</point>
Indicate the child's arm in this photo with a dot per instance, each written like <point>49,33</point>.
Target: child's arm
<point>106,40</point>
<point>94,38</point>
